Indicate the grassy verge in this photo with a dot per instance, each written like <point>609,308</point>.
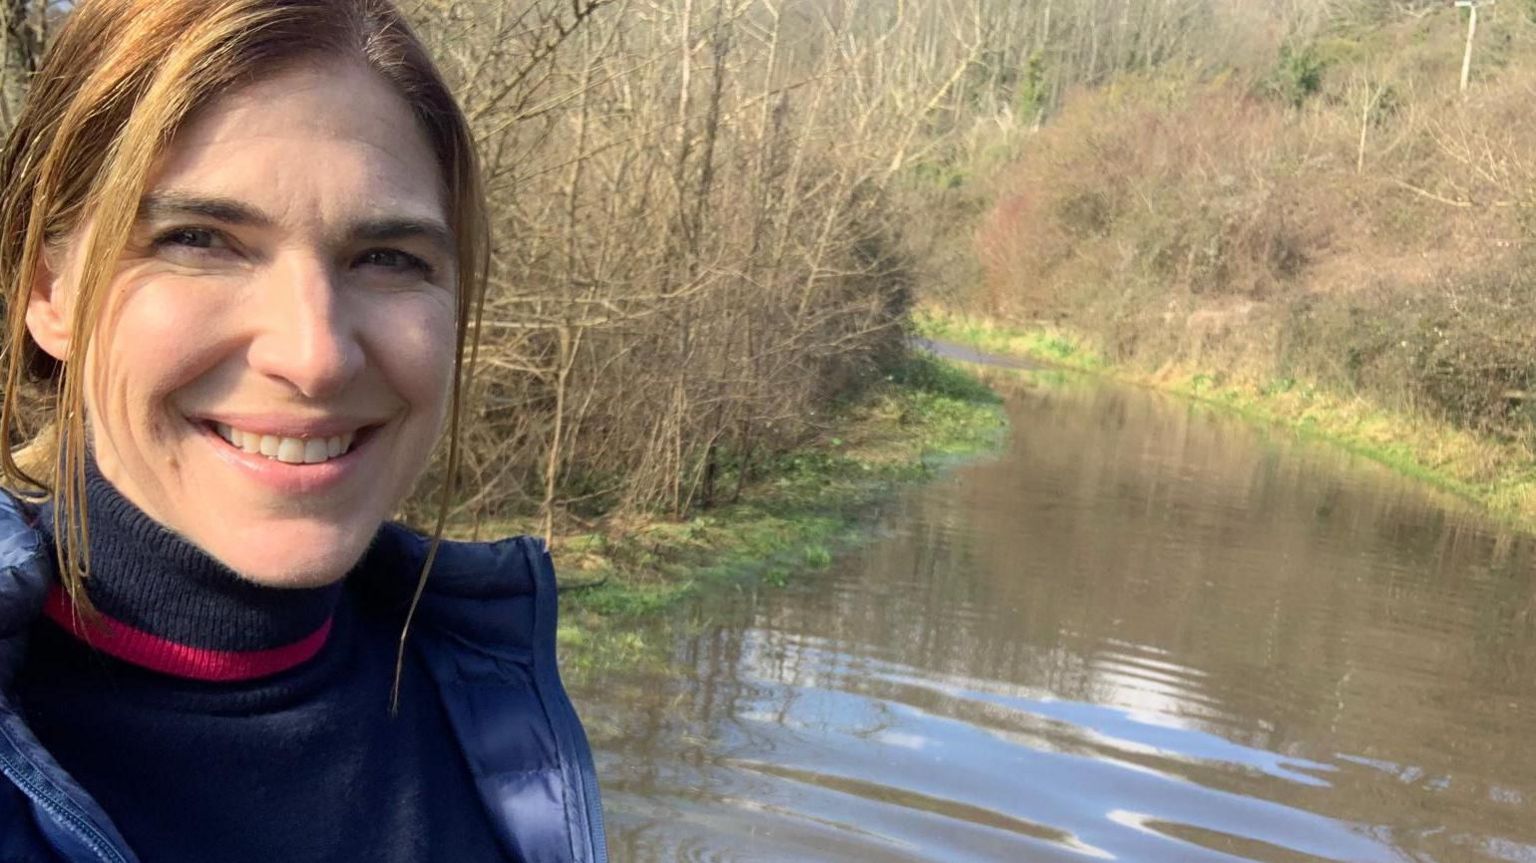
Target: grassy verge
<point>798,511</point>
<point>1498,475</point>
<point>1050,344</point>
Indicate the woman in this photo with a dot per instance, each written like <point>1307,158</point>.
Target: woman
<point>241,241</point>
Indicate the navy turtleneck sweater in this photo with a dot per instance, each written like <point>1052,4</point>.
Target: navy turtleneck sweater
<point>217,719</point>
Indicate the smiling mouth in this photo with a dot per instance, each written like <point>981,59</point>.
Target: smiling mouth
<point>290,450</point>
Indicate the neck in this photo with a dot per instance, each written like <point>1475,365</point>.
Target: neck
<point>167,605</point>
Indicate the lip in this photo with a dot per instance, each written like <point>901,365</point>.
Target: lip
<point>292,479</point>
<point>281,426</point>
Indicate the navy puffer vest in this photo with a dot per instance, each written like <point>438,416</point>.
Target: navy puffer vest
<point>486,628</point>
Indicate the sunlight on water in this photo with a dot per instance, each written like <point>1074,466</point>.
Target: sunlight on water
<point>1143,633</point>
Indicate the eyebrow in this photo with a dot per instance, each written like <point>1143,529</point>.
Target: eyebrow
<point>384,230</point>
<point>160,206</point>
<point>164,205</point>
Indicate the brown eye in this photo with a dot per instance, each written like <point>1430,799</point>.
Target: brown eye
<point>195,238</point>
<point>394,259</point>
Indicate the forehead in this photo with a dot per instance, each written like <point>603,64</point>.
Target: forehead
<point>313,143</point>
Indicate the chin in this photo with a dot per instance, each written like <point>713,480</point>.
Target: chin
<point>305,556</point>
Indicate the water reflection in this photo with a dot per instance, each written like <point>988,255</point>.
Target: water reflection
<point>1146,632</point>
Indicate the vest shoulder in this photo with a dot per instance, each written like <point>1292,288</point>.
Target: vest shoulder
<point>26,568</point>
<point>20,542</point>
<point>500,569</point>
<point>484,603</point>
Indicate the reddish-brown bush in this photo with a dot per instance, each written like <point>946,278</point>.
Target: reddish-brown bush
<point>1374,239</point>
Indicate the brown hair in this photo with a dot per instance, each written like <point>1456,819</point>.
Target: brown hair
<point>121,78</point>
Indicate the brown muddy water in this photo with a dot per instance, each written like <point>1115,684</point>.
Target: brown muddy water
<point>1143,631</point>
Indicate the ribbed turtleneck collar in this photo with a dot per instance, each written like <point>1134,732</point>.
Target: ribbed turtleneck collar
<point>168,605</point>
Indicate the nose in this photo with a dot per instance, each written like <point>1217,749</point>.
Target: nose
<point>304,336</point>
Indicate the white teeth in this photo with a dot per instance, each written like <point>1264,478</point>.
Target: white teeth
<point>290,450</point>
<point>315,451</point>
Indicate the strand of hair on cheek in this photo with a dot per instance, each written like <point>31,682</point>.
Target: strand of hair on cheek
<point>437,534</point>
<point>459,385</point>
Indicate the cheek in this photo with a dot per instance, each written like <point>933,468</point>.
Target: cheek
<point>412,341</point>
<point>153,338</point>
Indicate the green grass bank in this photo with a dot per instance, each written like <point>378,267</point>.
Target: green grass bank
<point>792,518</point>
<point>1497,474</point>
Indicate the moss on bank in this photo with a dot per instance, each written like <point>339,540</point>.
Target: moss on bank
<point>1498,475</point>
<point>792,518</point>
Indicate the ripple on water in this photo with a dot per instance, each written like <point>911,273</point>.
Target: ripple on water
<point>886,762</point>
<point>1146,634</point>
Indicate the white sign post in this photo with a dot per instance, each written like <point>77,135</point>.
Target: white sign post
<point>1466,60</point>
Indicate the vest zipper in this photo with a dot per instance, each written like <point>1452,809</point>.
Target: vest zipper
<point>575,736</point>
<point>98,843</point>
<point>587,772</point>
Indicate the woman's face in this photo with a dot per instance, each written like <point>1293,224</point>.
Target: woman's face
<point>271,368</point>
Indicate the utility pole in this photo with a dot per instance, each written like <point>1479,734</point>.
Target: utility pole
<point>1466,60</point>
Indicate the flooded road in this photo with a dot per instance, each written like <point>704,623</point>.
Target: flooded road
<point>1145,631</point>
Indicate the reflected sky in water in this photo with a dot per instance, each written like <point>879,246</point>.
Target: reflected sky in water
<point>1145,631</point>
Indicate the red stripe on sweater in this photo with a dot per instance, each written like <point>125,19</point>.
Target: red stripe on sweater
<point>119,640</point>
